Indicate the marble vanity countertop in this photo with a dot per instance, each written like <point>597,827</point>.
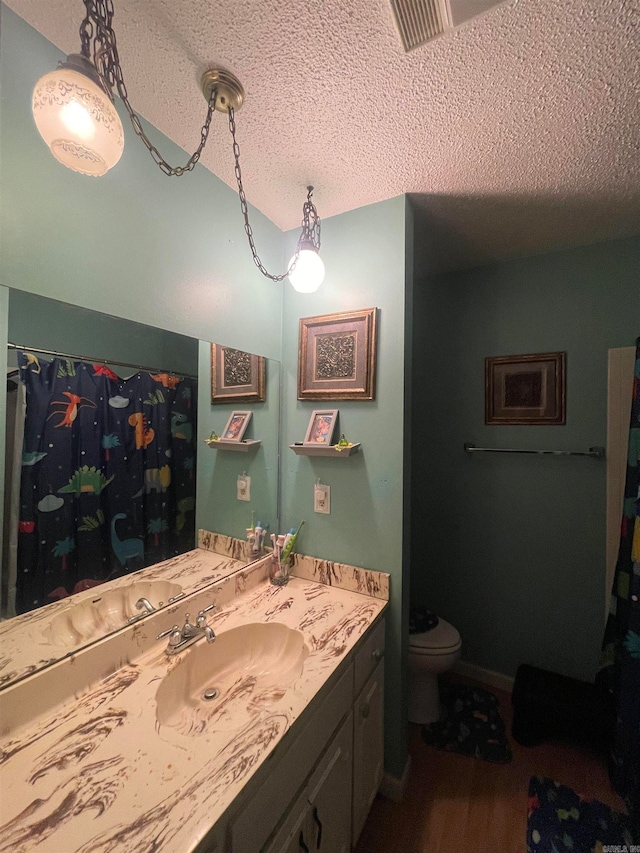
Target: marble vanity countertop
<point>99,773</point>
<point>25,641</point>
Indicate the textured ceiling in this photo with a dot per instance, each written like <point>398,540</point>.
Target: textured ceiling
<point>517,133</point>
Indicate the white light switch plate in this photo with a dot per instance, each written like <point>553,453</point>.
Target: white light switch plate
<point>244,488</point>
<point>322,499</point>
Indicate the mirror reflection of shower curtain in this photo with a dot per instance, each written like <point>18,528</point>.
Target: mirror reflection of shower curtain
<point>16,408</point>
<point>620,662</point>
<point>107,482</point>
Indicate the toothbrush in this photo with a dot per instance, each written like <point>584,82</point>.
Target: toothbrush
<point>287,538</point>
<point>292,542</point>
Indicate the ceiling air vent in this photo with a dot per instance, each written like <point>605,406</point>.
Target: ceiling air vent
<point>419,20</point>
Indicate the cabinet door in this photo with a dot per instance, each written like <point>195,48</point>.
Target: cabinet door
<point>368,748</point>
<point>329,795</point>
<point>257,816</point>
<point>294,836</point>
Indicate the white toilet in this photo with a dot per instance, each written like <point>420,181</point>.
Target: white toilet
<point>430,653</point>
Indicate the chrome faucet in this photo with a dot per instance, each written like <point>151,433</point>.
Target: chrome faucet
<point>142,604</point>
<point>181,638</point>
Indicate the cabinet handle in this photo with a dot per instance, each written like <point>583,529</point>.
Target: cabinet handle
<point>377,655</point>
<point>318,823</point>
<point>365,710</point>
<point>301,843</point>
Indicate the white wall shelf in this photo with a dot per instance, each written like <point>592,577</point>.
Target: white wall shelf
<point>331,450</point>
<point>222,444</point>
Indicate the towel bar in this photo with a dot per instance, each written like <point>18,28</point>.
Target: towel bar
<point>593,452</point>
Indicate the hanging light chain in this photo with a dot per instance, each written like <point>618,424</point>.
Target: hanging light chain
<point>97,34</point>
<point>98,45</point>
<point>310,222</point>
<point>310,219</point>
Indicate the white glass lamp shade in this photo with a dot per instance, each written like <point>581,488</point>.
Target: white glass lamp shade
<point>308,274</point>
<point>77,121</point>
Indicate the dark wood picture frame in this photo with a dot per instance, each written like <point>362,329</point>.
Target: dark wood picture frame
<point>337,356</point>
<point>236,376</point>
<point>525,389</point>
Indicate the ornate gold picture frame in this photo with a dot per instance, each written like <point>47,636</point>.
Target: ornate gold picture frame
<point>337,356</point>
<point>525,389</point>
<point>236,376</point>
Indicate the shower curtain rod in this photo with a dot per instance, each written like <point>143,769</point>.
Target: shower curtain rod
<point>99,360</point>
<point>593,452</point>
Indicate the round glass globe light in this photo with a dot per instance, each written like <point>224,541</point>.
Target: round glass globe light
<point>77,121</point>
<point>308,274</point>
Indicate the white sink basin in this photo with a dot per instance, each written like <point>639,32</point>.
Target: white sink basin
<point>93,617</point>
<point>222,685</point>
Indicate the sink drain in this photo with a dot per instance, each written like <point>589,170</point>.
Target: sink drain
<point>210,693</point>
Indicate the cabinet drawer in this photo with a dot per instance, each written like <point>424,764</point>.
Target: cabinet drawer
<point>368,657</point>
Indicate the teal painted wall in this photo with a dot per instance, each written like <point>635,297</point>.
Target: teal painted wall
<point>511,549</point>
<point>40,322</point>
<point>407,527</point>
<point>364,256</point>
<point>216,486</point>
<point>168,252</point>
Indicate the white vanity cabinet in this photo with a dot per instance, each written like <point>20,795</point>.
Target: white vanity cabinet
<point>368,727</point>
<point>368,748</point>
<point>316,794</point>
<point>320,819</point>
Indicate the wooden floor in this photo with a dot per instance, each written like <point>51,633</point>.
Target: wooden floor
<point>456,804</point>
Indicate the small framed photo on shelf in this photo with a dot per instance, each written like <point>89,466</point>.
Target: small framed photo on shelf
<point>236,376</point>
<point>236,426</point>
<point>525,389</point>
<point>322,425</point>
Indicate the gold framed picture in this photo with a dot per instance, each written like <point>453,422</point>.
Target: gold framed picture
<point>236,376</point>
<point>337,356</point>
<point>525,389</point>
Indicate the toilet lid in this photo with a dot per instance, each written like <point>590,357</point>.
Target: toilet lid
<point>443,636</point>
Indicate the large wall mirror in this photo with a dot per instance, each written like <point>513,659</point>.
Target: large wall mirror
<point>107,471</point>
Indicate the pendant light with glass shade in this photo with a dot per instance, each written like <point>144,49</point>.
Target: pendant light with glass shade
<point>75,115</point>
<point>74,112</point>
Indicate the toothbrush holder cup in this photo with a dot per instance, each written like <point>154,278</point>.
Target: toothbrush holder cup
<point>279,571</point>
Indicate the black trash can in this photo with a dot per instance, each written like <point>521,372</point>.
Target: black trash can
<point>548,706</point>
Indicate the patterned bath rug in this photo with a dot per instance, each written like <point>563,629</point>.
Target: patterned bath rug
<point>471,724</point>
<point>561,822</point>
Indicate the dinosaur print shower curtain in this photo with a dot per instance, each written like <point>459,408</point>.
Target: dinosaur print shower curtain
<point>620,670</point>
<point>108,475</point>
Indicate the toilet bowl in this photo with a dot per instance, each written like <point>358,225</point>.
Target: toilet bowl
<point>430,653</point>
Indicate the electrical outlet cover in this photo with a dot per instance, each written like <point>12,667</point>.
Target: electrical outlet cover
<point>322,499</point>
<point>244,488</point>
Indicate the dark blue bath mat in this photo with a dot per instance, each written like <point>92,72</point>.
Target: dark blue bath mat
<point>561,822</point>
<point>471,725</point>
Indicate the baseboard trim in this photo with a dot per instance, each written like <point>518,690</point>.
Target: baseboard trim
<point>486,676</point>
<point>393,788</point>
